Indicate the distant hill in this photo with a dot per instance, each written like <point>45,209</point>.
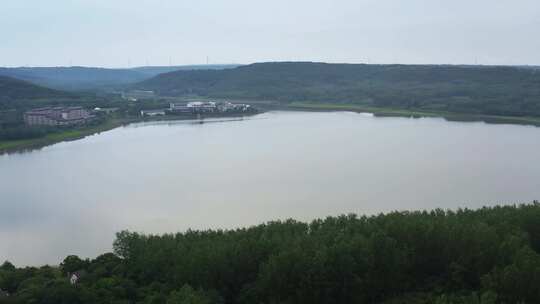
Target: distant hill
<point>15,93</point>
<point>18,89</point>
<point>89,78</point>
<point>74,78</point>
<point>151,71</point>
<point>494,90</point>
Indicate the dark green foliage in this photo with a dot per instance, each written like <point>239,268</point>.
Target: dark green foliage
<point>23,132</point>
<point>518,281</point>
<point>14,89</point>
<point>20,131</point>
<point>187,295</point>
<point>7,266</point>
<point>17,96</point>
<point>464,89</point>
<point>486,256</point>
<point>72,264</point>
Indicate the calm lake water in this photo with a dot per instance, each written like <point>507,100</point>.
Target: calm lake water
<point>71,198</point>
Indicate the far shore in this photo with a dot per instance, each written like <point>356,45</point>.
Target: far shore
<point>68,135</point>
<point>395,112</point>
<point>112,123</point>
<point>14,146</point>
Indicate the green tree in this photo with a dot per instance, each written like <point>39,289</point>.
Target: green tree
<point>73,263</point>
<point>188,295</point>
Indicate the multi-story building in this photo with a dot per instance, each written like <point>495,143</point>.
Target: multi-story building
<point>194,107</point>
<point>202,106</point>
<point>179,108</point>
<point>233,107</point>
<point>57,116</point>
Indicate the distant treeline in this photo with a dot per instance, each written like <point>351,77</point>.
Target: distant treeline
<point>78,78</point>
<point>490,255</point>
<point>493,90</point>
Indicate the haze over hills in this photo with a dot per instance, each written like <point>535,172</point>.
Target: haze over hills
<point>15,89</point>
<point>92,78</point>
<point>20,94</point>
<point>151,71</point>
<point>498,90</point>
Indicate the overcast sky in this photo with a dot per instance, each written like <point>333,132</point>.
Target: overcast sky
<point>118,33</point>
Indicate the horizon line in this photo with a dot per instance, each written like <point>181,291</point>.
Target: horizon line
<point>259,62</point>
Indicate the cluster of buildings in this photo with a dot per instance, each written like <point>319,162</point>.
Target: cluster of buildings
<point>69,116</point>
<point>200,107</point>
<point>197,107</point>
<point>57,116</point>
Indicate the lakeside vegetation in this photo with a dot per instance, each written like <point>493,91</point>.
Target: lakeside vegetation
<point>20,137</point>
<point>396,112</point>
<point>485,256</point>
<point>47,136</point>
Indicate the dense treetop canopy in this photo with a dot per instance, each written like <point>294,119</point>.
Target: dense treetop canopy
<point>490,255</point>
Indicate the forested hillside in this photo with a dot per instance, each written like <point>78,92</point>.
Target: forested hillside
<point>494,90</point>
<point>491,255</point>
<point>14,93</point>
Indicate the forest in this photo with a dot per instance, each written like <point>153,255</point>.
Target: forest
<point>484,256</point>
<point>488,90</point>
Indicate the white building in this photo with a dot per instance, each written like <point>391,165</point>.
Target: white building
<point>152,112</point>
<point>202,106</point>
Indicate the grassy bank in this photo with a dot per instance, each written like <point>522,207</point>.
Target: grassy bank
<point>67,135</point>
<point>392,112</point>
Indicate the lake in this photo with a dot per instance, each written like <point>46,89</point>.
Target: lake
<point>71,198</point>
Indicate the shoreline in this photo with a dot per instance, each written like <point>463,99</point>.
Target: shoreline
<point>17,146</point>
<point>392,112</point>
<point>25,145</point>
